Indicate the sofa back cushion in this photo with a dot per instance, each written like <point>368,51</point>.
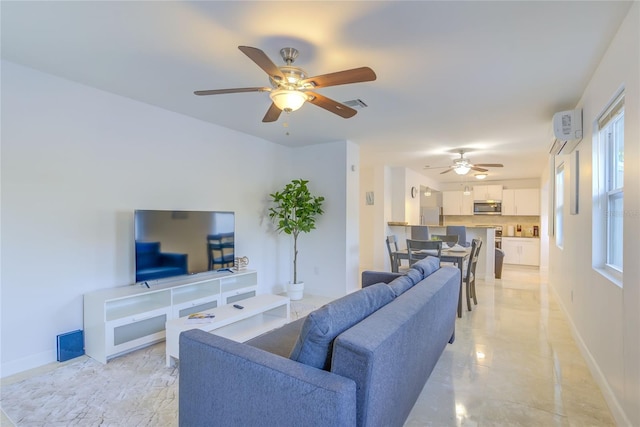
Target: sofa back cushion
<point>400,285</point>
<point>427,266</point>
<point>322,326</point>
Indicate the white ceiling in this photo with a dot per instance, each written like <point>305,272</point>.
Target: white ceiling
<point>485,76</point>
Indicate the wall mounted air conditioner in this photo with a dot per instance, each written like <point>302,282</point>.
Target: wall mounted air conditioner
<point>567,128</point>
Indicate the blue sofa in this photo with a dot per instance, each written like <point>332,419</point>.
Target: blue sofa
<point>152,264</point>
<point>361,360</point>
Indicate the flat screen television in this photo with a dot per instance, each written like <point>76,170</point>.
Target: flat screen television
<point>176,243</point>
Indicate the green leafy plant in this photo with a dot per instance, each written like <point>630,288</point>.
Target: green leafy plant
<point>295,212</point>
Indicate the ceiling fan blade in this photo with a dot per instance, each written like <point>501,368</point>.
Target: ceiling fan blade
<point>331,105</point>
<point>273,113</point>
<point>233,90</point>
<point>448,170</point>
<point>490,165</point>
<point>477,169</point>
<point>263,61</point>
<point>356,75</point>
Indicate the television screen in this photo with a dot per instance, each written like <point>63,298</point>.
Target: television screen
<point>175,243</point>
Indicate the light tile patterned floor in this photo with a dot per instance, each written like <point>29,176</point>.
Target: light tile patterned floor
<point>514,363</point>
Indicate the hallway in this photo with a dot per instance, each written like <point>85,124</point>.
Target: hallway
<point>514,363</point>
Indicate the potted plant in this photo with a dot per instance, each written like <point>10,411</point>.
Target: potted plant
<point>295,211</point>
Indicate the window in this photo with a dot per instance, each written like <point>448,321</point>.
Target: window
<point>559,204</point>
<point>610,187</point>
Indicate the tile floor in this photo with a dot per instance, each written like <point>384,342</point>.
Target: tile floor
<point>514,363</point>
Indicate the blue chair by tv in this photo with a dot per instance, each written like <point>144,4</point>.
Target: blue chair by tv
<point>461,232</point>
<point>152,264</point>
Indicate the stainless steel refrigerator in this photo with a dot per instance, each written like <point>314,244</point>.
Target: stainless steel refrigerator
<point>431,216</point>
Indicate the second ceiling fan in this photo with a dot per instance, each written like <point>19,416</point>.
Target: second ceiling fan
<point>463,165</point>
<point>291,87</point>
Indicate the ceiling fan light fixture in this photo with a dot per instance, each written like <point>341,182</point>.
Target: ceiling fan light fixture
<point>462,169</point>
<point>288,100</point>
<point>481,175</point>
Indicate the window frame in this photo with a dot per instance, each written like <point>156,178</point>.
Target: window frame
<point>608,188</point>
<point>558,203</point>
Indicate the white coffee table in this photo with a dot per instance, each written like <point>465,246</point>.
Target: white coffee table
<point>260,314</point>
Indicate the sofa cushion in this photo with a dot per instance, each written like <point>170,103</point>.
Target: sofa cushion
<point>401,284</point>
<point>427,266</point>
<point>414,275</point>
<point>322,326</point>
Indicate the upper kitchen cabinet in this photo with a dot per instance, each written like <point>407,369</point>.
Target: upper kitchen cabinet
<point>521,201</point>
<point>487,192</point>
<point>456,203</point>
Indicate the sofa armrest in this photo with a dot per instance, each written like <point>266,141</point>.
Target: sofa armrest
<point>228,383</point>
<point>372,277</point>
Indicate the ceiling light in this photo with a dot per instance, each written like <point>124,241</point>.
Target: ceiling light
<point>480,175</point>
<point>467,191</point>
<point>288,100</point>
<point>462,169</point>
<point>427,192</point>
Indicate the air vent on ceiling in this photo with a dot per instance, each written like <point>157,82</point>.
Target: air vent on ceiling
<point>355,103</point>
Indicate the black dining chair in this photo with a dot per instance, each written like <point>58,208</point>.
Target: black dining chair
<point>392,248</point>
<point>419,249</point>
<point>469,278</point>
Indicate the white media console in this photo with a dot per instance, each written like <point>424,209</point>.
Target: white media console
<point>122,319</point>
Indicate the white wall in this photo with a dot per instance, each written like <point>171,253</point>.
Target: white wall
<point>605,317</point>
<point>373,218</point>
<point>329,254</point>
<point>76,163</point>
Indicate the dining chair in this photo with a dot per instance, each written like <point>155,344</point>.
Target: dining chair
<point>461,232</point>
<point>392,248</point>
<point>450,239</point>
<point>420,232</point>
<point>469,278</point>
<point>419,249</point>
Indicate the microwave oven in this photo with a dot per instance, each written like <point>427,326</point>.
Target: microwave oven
<point>487,207</point>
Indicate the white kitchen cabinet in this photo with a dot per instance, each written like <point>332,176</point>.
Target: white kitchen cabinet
<point>521,250</point>
<point>521,201</point>
<point>487,192</point>
<point>456,203</point>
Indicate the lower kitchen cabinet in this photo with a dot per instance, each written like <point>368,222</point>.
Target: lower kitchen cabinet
<point>521,250</point>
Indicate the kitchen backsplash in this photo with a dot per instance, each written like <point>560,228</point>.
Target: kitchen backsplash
<point>526,223</point>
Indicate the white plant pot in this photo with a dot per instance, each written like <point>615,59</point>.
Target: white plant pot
<point>295,291</point>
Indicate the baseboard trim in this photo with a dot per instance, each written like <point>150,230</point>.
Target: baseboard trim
<point>614,405</point>
<point>27,363</point>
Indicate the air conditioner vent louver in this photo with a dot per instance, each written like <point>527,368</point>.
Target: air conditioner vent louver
<point>355,103</point>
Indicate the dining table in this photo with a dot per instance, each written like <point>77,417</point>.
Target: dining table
<point>456,255</point>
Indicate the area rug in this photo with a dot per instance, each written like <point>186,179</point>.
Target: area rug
<point>136,389</point>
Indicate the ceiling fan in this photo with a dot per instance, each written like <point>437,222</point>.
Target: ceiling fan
<point>291,87</point>
<point>463,165</point>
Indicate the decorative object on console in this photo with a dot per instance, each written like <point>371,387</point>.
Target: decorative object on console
<point>240,263</point>
<point>295,212</point>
